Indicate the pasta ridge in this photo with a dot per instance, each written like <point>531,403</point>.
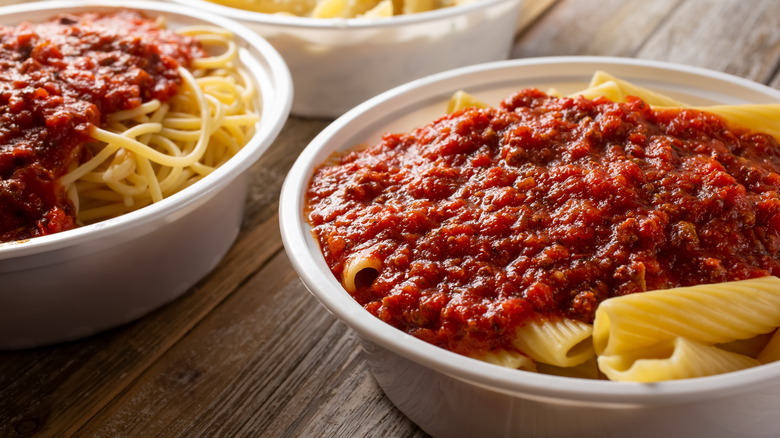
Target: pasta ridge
<point>560,342</point>
<point>672,359</point>
<point>706,313</point>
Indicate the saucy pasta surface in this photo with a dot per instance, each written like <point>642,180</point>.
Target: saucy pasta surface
<point>490,218</point>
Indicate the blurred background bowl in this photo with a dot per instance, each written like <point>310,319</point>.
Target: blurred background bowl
<point>75,283</point>
<point>455,396</point>
<point>338,63</point>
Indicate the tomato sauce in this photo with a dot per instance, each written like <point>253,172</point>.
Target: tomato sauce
<point>546,206</point>
<point>60,78</point>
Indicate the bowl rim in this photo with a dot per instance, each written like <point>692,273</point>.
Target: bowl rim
<point>301,248</point>
<point>275,86</point>
<point>342,24</point>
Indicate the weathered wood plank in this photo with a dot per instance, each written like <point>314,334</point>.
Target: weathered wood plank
<point>54,391</point>
<point>248,351</point>
<point>733,36</point>
<point>270,361</point>
<point>584,27</point>
<point>531,10</point>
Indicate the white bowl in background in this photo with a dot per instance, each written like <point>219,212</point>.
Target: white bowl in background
<point>450,395</point>
<point>338,63</point>
<point>75,283</point>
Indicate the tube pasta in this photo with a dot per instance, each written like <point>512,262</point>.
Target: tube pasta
<point>559,342</point>
<point>708,314</point>
<point>508,359</point>
<point>771,352</point>
<point>362,264</point>
<point>586,370</point>
<point>676,358</point>
<point>604,84</point>
<point>666,334</point>
<point>749,347</point>
<point>148,153</point>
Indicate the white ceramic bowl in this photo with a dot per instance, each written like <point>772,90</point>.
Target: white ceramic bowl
<point>450,395</point>
<point>75,283</point>
<point>338,63</point>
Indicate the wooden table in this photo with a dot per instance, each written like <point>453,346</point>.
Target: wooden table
<point>248,351</point>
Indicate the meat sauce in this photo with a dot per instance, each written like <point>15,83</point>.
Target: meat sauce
<point>546,206</point>
<point>57,80</point>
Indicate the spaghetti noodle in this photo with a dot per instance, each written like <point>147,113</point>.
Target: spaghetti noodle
<point>167,108</point>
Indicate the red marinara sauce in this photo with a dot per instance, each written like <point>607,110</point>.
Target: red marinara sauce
<point>60,78</point>
<point>546,206</point>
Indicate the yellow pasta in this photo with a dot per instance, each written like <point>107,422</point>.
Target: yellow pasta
<point>341,8</point>
<point>148,153</point>
<point>382,9</point>
<point>761,117</point>
<point>711,313</point>
<point>586,370</point>
<point>461,100</point>
<point>666,334</point>
<point>751,347</point>
<point>560,342</point>
<point>508,359</point>
<point>771,351</point>
<point>676,358</point>
<point>617,89</point>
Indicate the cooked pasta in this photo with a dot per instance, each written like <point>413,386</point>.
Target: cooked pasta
<point>771,352</point>
<point>586,370</point>
<point>146,154</point>
<point>131,112</point>
<point>508,359</point>
<point>363,266</point>
<point>708,314</point>
<point>341,8</point>
<point>559,342</point>
<point>674,358</point>
<point>663,334</point>
<point>651,330</point>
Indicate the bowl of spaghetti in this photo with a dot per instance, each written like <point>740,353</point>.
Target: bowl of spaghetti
<point>127,138</point>
<point>554,247</point>
<point>341,53</point>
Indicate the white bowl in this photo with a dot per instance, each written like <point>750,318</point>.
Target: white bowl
<point>451,395</point>
<point>75,283</point>
<point>338,63</point>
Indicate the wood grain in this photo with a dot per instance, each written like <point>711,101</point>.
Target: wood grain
<point>248,351</point>
<point>98,368</point>
<point>603,28</point>
<point>255,354</point>
<point>733,36</point>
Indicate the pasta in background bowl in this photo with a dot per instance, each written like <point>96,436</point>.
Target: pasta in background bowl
<point>77,282</point>
<point>342,8</point>
<point>452,395</point>
<point>337,63</point>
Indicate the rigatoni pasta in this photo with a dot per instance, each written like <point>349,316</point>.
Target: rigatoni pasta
<point>672,359</point>
<point>476,264</point>
<point>710,314</point>
<point>555,341</point>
